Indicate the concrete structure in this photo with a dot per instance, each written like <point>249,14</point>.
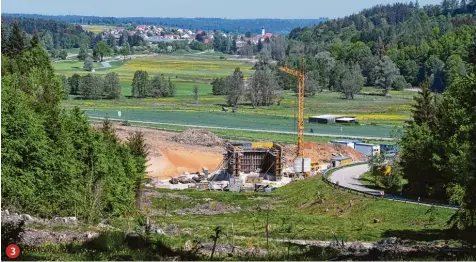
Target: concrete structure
<point>368,149</point>
<point>341,161</point>
<point>246,158</point>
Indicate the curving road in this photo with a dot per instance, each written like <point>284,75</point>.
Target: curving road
<point>349,177</point>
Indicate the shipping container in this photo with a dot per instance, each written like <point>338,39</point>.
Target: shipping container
<point>368,149</point>
<point>341,161</point>
<point>344,143</point>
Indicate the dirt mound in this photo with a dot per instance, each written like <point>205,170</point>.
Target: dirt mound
<point>321,152</point>
<point>200,137</point>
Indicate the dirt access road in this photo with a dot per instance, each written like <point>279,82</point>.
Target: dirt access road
<point>167,158</point>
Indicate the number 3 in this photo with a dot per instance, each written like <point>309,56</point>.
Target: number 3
<point>14,251</point>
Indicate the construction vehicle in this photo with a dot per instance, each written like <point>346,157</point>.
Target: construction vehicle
<point>302,164</point>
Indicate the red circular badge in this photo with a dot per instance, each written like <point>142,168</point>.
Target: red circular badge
<point>13,251</point>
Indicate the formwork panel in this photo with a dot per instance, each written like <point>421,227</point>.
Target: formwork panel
<point>244,159</point>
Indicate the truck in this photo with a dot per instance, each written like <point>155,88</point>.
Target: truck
<point>368,149</point>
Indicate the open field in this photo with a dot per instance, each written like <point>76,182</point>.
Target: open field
<point>379,115</point>
<point>98,28</point>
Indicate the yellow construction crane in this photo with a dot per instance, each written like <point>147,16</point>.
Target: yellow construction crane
<point>300,76</point>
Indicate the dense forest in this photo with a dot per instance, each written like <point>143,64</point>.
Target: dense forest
<point>53,162</point>
<point>277,26</point>
<point>53,34</point>
<point>394,46</point>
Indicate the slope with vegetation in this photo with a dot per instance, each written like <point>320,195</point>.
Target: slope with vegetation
<point>394,46</point>
<point>53,162</point>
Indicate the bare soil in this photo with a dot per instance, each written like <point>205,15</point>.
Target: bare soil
<point>169,159</point>
<point>322,152</point>
<point>171,156</point>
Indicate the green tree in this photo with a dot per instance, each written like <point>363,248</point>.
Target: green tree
<point>66,86</point>
<point>423,110</point>
<point>47,40</point>
<point>112,86</point>
<point>195,94</point>
<point>111,41</point>
<point>352,81</point>
<point>15,43</point>
<point>140,151</point>
<point>248,34</point>
<point>264,88</point>
<point>83,53</point>
<point>219,86</point>
<point>311,83</point>
<point>454,68</point>
<point>88,64</point>
<point>102,49</point>
<point>91,86</point>
<point>35,40</point>
<point>74,84</point>
<point>53,162</point>
<point>172,88</point>
<point>157,86</point>
<point>337,75</point>
<point>236,88</point>
<point>140,84</point>
<point>63,54</point>
<point>125,51</point>
<point>385,74</point>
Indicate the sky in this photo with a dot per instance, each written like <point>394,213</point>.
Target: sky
<point>197,8</point>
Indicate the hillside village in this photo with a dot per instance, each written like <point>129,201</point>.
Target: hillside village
<point>156,34</point>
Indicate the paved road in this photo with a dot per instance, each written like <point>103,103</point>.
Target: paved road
<point>246,129</point>
<point>348,177</point>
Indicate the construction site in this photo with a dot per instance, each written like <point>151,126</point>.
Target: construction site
<point>197,158</point>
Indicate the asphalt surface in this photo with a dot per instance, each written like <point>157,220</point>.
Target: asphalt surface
<point>349,177</point>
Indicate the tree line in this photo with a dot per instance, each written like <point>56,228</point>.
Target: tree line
<point>262,89</point>
<point>281,26</point>
<point>93,86</point>
<point>158,86</point>
<point>54,163</point>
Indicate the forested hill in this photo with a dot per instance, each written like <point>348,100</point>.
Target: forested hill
<point>53,34</point>
<point>278,26</point>
<point>421,42</point>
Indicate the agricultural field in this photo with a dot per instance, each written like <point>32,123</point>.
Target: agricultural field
<point>379,115</point>
<point>98,28</point>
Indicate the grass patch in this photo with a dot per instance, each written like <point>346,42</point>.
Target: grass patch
<point>319,210</point>
<point>378,114</point>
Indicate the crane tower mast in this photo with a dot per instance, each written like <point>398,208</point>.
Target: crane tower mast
<point>300,75</point>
